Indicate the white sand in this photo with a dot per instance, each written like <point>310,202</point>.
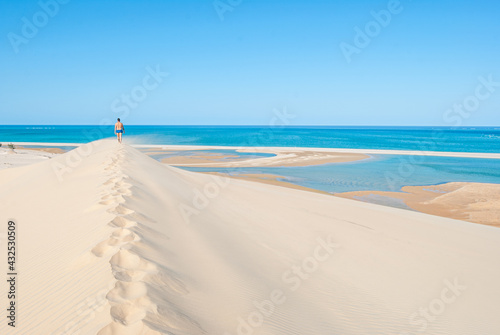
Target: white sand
<point>19,157</point>
<point>119,243</point>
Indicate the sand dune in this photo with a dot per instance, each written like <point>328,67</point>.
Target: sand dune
<point>113,242</point>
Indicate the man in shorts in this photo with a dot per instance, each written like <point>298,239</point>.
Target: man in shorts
<point>119,130</point>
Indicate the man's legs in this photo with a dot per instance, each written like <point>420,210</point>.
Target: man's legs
<point>120,137</point>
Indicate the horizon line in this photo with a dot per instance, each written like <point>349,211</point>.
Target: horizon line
<point>251,125</point>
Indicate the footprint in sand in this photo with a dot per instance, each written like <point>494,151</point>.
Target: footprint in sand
<point>124,291</point>
<point>103,248</point>
<point>117,179</point>
<point>126,260</point>
<point>121,222</point>
<point>122,192</point>
<point>128,275</point>
<point>118,199</point>
<point>110,181</point>
<point>122,184</point>
<point>127,314</point>
<point>129,267</point>
<point>124,235</point>
<point>120,210</point>
<point>118,238</point>
<point>116,328</point>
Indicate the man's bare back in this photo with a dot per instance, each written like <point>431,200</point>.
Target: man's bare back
<point>119,126</point>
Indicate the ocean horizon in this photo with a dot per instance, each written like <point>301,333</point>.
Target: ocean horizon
<point>480,139</point>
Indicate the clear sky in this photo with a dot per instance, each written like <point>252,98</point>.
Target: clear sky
<point>235,62</point>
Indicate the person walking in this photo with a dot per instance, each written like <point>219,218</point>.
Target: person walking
<point>119,130</point>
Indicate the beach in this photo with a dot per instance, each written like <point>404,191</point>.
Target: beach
<point>123,244</point>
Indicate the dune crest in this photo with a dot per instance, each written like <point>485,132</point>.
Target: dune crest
<point>134,307</point>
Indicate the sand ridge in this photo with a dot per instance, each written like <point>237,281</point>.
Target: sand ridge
<point>135,309</point>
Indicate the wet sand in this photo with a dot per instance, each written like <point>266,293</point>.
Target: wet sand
<point>281,158</point>
<point>473,202</point>
<point>201,160</point>
<point>52,150</point>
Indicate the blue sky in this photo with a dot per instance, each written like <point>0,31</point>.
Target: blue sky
<point>237,62</point>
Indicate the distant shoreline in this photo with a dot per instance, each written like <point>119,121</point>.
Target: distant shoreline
<point>267,148</point>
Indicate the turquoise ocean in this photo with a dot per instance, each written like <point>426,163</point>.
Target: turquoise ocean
<point>379,172</point>
<point>479,139</point>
